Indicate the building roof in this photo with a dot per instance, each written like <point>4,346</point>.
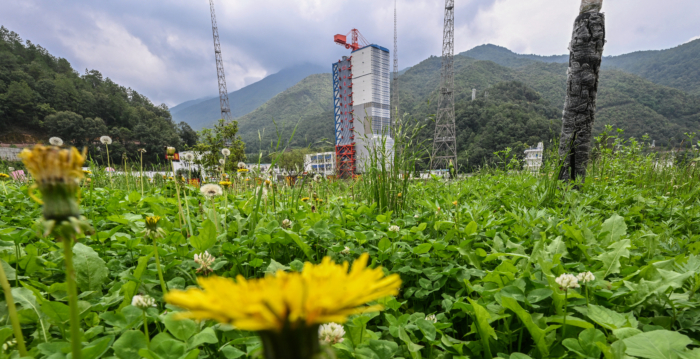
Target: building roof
<point>375,46</point>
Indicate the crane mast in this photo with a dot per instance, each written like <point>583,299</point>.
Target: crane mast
<point>223,92</point>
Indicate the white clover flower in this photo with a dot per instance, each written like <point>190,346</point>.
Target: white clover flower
<point>416,216</point>
<point>331,333</point>
<point>226,152</point>
<point>9,344</point>
<point>567,281</point>
<point>143,302</point>
<point>106,140</point>
<point>286,224</point>
<point>345,250</point>
<point>222,161</point>
<point>211,190</point>
<point>585,277</point>
<point>394,229</point>
<point>431,318</point>
<point>55,141</point>
<point>188,157</point>
<point>241,165</point>
<point>205,260</point>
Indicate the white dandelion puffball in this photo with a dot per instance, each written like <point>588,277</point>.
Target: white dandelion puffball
<point>331,333</point>
<point>394,229</point>
<point>317,178</point>
<point>221,161</point>
<point>345,250</point>
<point>241,165</point>
<point>431,318</point>
<point>211,190</point>
<point>226,152</point>
<point>585,277</point>
<point>106,140</point>
<point>55,141</point>
<point>143,302</point>
<point>189,157</point>
<point>567,281</point>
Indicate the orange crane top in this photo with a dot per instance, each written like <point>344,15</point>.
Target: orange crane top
<point>358,41</point>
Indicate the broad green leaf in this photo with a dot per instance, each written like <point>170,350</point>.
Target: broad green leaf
<point>129,344</point>
<point>613,229</point>
<point>470,228</point>
<point>422,248</point>
<point>611,259</point>
<point>427,328</point>
<point>537,333</point>
<point>377,349</point>
<point>657,344</point>
<point>483,326</point>
<point>519,356</point>
<point>275,266</point>
<point>413,348</point>
<point>231,352</point>
<point>206,336</point>
<point>90,270</point>
<point>297,240</point>
<point>539,294</point>
<point>57,311</point>
<point>384,244</point>
<point>586,345</point>
<point>206,237</point>
<point>181,329</point>
<point>96,348</point>
<point>25,298</point>
<point>610,319</point>
<point>576,322</point>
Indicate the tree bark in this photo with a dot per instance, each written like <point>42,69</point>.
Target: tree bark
<point>586,53</point>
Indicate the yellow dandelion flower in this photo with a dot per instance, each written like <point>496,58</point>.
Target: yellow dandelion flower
<point>87,172</point>
<point>321,293</point>
<point>4,176</point>
<point>399,195</point>
<point>305,199</point>
<point>57,173</point>
<point>152,228</point>
<point>242,170</point>
<point>225,184</point>
<point>454,203</point>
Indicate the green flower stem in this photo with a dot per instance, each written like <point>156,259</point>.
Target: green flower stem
<point>3,187</point>
<point>587,303</point>
<point>563,326</point>
<point>76,345</point>
<point>12,311</point>
<point>145,327</point>
<point>141,174</point>
<point>181,215</point>
<point>160,271</point>
<point>111,184</point>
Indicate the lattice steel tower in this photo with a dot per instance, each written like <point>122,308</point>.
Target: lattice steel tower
<point>223,93</point>
<point>445,142</point>
<point>395,90</point>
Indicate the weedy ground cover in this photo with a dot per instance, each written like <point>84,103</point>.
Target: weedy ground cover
<point>499,264</point>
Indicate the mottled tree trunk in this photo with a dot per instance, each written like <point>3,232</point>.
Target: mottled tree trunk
<point>586,52</point>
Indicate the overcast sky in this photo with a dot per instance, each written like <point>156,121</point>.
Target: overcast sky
<point>163,48</point>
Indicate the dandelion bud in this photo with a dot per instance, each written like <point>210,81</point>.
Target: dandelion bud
<point>585,277</point>
<point>331,333</point>
<point>170,153</point>
<point>143,302</point>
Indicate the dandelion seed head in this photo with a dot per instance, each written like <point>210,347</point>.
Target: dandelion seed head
<point>226,152</point>
<point>211,190</point>
<point>55,141</point>
<point>106,140</point>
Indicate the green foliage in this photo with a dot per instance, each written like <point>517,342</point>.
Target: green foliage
<point>212,141</point>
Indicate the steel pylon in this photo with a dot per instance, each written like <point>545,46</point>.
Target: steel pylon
<point>395,116</point>
<point>445,139</point>
<point>223,92</point>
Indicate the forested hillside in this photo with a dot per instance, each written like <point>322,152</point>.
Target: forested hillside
<point>205,112</point>
<point>515,107</point>
<point>43,96</point>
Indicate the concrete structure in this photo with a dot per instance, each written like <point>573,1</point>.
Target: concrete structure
<point>473,94</point>
<point>323,163</point>
<point>361,91</point>
<point>10,154</point>
<point>533,158</point>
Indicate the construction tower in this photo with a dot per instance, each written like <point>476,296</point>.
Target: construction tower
<point>445,140</point>
<point>223,93</point>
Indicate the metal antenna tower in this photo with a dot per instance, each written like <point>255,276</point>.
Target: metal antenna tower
<point>395,90</point>
<point>223,93</point>
<point>445,140</point>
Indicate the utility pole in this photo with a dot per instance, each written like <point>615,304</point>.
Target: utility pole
<point>395,90</point>
<point>223,92</point>
<point>445,140</point>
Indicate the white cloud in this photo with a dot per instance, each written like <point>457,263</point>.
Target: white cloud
<point>693,39</point>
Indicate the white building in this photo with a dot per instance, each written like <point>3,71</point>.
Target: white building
<point>323,163</point>
<point>533,158</point>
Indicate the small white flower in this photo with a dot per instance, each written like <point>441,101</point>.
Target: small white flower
<point>226,152</point>
<point>241,165</point>
<point>345,250</point>
<point>222,161</point>
<point>205,260</point>
<point>143,302</point>
<point>55,141</point>
<point>188,157</point>
<point>331,333</point>
<point>416,216</point>
<point>394,229</point>
<point>585,277</point>
<point>317,178</point>
<point>211,190</point>
<point>106,140</point>
<point>286,224</point>
<point>431,318</point>
<point>567,281</point>
<point>10,169</point>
